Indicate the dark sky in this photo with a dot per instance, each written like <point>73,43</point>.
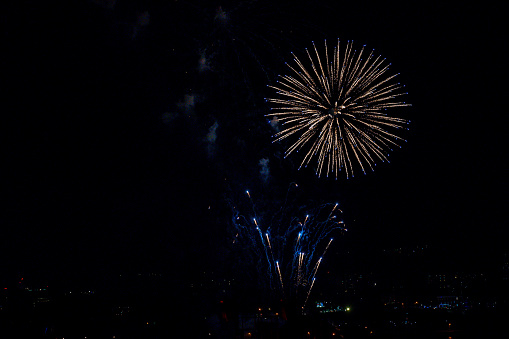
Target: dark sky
<point>126,120</point>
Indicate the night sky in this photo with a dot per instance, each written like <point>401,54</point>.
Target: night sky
<point>129,123</point>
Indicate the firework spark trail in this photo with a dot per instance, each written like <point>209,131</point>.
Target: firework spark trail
<point>264,246</point>
<point>272,256</point>
<point>268,241</point>
<point>315,269</point>
<point>327,247</point>
<point>333,209</point>
<point>313,274</point>
<point>280,277</point>
<point>335,108</point>
<point>287,248</point>
<point>309,292</point>
<point>299,269</point>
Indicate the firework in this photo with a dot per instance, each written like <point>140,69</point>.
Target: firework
<point>335,110</point>
<point>289,248</point>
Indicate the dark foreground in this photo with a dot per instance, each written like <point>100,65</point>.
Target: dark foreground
<point>150,306</point>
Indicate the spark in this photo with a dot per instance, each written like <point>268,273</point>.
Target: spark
<point>280,277</point>
<point>316,267</point>
<point>298,237</point>
<point>335,110</point>
<point>289,248</point>
<point>307,216</point>
<point>327,247</point>
<point>309,292</point>
<point>268,241</point>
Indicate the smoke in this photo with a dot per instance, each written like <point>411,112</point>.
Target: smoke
<point>203,63</point>
<point>274,124</point>
<point>264,169</point>
<point>211,139</point>
<point>185,109</point>
<point>143,20</point>
<point>187,105</point>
